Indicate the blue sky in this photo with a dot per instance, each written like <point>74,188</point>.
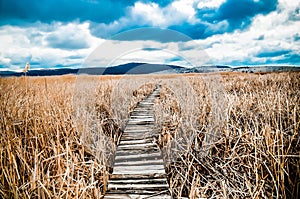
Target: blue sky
<point>63,33</point>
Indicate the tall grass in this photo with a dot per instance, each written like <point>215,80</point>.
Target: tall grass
<point>247,146</point>
<point>58,134</point>
<point>225,136</point>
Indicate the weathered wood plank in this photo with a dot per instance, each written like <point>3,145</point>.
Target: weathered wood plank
<point>133,169</point>
<point>139,186</point>
<point>141,162</point>
<point>134,191</point>
<point>136,196</point>
<point>138,176</point>
<point>142,181</point>
<point>139,168</point>
<point>139,157</point>
<point>136,145</point>
<point>139,141</point>
<point>135,152</point>
<point>140,172</point>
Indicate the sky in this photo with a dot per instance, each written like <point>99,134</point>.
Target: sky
<point>76,33</point>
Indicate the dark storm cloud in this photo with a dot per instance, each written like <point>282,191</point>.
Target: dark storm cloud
<point>174,59</point>
<point>296,37</point>
<point>194,31</point>
<point>150,49</point>
<point>261,37</point>
<point>152,34</point>
<point>103,11</point>
<point>291,59</point>
<point>162,3</point>
<point>272,53</point>
<point>239,12</point>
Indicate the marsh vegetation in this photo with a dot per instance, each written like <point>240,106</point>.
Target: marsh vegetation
<point>227,135</point>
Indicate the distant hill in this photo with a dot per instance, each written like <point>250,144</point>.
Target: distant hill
<point>139,68</point>
<point>129,68</point>
<point>258,69</point>
<point>145,68</point>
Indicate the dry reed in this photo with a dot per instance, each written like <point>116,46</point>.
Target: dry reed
<point>58,134</point>
<point>235,136</point>
<point>253,146</point>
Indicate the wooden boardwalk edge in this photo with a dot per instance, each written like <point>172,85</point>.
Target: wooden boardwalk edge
<point>139,170</point>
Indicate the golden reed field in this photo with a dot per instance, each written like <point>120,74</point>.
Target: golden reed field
<point>225,135</point>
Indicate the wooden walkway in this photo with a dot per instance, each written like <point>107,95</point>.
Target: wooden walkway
<point>139,169</point>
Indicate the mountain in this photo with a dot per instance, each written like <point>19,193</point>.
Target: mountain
<point>144,68</point>
<point>129,68</point>
<point>139,68</point>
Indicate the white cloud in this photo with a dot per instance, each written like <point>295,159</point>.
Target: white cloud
<point>144,57</point>
<point>209,3</point>
<point>22,44</point>
<point>276,31</point>
<point>150,14</point>
<point>182,11</point>
<point>69,36</point>
<point>113,52</point>
<point>36,43</point>
<point>175,13</point>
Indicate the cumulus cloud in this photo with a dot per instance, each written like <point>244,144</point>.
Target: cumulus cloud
<point>33,44</point>
<point>149,14</point>
<point>70,36</point>
<point>112,52</point>
<point>269,40</point>
<point>204,4</point>
<point>196,18</point>
<point>63,33</point>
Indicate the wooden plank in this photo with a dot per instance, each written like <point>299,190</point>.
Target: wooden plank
<point>122,146</point>
<point>136,152</point>
<point>137,137</point>
<point>135,168</point>
<point>142,116</point>
<point>139,141</point>
<point>138,176</point>
<point>141,162</point>
<point>139,156</point>
<point>124,160</point>
<point>132,127</point>
<point>117,196</point>
<point>137,191</point>
<point>139,170</point>
<point>143,111</point>
<point>134,191</point>
<point>154,187</point>
<point>137,116</point>
<point>135,130</point>
<point>140,122</point>
<point>136,196</point>
<point>142,181</point>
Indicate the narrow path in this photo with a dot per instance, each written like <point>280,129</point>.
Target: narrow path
<point>139,169</point>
